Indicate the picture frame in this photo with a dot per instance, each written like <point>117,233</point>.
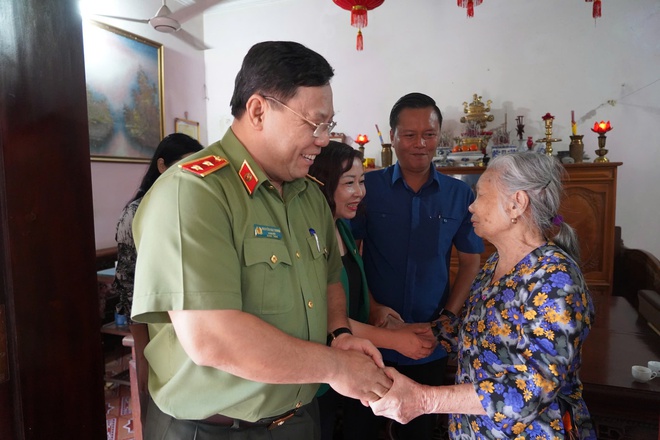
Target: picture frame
<point>339,137</point>
<point>124,79</point>
<point>186,126</point>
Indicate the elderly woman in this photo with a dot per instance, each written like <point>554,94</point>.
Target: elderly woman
<point>519,337</point>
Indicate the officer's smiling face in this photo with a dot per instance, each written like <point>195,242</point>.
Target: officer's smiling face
<point>294,146</point>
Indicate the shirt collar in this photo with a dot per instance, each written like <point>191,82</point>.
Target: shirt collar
<point>397,174</point>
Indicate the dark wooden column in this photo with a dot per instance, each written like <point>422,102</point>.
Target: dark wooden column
<point>51,363</point>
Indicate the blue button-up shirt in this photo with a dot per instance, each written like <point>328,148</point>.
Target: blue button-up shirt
<point>407,242</point>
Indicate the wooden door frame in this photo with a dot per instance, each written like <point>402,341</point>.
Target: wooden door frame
<point>52,360</point>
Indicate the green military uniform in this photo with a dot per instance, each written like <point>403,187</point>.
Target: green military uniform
<point>228,240</point>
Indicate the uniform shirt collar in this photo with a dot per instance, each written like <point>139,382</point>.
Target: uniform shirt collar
<point>236,153</point>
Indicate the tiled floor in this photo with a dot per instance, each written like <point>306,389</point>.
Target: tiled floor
<point>118,417</point>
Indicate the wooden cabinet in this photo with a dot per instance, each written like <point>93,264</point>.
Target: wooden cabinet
<point>589,205</point>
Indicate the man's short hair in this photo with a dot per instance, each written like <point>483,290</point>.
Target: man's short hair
<point>412,100</point>
<point>277,69</point>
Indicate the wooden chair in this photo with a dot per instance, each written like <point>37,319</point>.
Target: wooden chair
<point>139,375</point>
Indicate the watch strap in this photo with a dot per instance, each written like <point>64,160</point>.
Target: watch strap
<point>335,333</point>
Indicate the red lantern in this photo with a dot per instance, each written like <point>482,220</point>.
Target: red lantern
<point>469,4</point>
<point>359,18</point>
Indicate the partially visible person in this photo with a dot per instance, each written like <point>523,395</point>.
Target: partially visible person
<point>414,216</point>
<point>238,270</point>
<point>340,174</point>
<point>171,149</point>
<point>519,338</point>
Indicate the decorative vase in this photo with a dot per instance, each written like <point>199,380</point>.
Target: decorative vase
<point>386,155</point>
<point>576,148</point>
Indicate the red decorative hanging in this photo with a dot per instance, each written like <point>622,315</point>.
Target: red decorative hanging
<point>596,13</point>
<point>469,4</point>
<point>359,17</point>
<point>597,10</point>
<point>360,41</point>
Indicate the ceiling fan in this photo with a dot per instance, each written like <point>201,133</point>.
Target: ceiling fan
<point>170,22</point>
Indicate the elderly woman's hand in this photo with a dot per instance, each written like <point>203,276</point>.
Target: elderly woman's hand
<point>404,401</point>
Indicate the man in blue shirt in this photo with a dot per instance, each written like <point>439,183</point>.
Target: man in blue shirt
<point>413,217</point>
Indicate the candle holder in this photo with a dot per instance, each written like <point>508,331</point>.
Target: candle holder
<point>520,127</point>
<point>361,140</point>
<point>601,128</point>
<point>548,139</point>
<point>601,151</point>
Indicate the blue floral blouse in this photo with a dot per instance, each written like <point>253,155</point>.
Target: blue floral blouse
<point>519,343</point>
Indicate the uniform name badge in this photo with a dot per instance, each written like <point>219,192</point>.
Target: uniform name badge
<point>264,231</point>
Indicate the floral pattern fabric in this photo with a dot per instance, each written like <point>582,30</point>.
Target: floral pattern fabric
<point>519,344</point>
<point>126,257</point>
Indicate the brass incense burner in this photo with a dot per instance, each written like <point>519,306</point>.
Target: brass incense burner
<point>477,111</point>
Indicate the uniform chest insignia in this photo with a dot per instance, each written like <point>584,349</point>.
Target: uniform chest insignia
<point>204,166</point>
<point>248,177</point>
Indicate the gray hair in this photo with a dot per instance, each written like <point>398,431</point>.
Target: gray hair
<point>540,177</point>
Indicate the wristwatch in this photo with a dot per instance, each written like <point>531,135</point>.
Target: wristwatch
<point>333,334</point>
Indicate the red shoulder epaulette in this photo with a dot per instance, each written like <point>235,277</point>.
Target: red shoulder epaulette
<point>204,166</point>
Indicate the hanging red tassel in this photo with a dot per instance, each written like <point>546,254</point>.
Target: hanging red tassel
<point>360,42</point>
<point>359,17</point>
<point>470,9</point>
<point>597,9</point>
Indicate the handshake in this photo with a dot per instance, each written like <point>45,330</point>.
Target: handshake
<point>364,376</point>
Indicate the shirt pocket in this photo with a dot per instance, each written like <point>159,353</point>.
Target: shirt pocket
<point>319,251</point>
<point>438,229</point>
<point>268,279</point>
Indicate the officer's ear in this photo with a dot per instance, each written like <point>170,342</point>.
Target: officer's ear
<point>255,110</point>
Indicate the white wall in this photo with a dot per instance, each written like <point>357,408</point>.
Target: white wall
<point>529,57</point>
<point>113,184</point>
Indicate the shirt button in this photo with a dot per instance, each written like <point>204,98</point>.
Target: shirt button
<point>310,304</point>
<point>297,254</point>
<point>298,405</point>
<point>273,259</point>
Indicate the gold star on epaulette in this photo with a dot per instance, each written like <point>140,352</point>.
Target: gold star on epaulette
<point>204,166</point>
<point>248,177</point>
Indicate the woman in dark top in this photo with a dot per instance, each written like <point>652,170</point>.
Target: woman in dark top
<point>339,168</point>
<point>171,149</point>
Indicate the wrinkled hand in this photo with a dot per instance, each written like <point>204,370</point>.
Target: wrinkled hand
<point>403,402</point>
<point>415,341</point>
<point>361,375</point>
<point>383,316</point>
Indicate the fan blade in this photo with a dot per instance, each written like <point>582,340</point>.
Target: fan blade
<point>136,20</point>
<point>187,12</point>
<point>191,39</point>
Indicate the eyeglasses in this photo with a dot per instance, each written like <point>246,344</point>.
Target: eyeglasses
<point>319,129</point>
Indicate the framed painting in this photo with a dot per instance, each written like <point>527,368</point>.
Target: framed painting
<point>124,76</point>
<point>186,126</point>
